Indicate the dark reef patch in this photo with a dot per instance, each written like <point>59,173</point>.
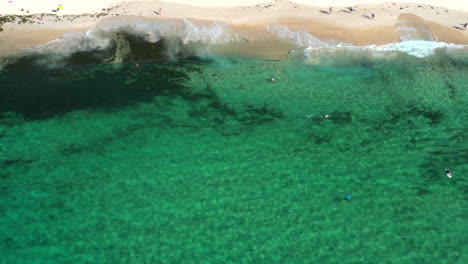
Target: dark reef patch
<point>43,93</point>
<point>14,162</point>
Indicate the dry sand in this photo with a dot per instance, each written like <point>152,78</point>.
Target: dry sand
<point>90,6</point>
<point>248,17</point>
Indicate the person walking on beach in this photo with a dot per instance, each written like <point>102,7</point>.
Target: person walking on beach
<point>330,10</point>
<point>373,14</point>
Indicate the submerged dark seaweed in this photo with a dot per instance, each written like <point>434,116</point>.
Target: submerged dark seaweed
<point>47,92</point>
<point>41,85</point>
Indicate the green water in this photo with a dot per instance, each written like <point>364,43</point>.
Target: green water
<point>205,161</point>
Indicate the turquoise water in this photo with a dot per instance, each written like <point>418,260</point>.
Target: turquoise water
<point>205,161</point>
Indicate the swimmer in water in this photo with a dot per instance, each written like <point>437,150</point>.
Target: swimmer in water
<point>448,172</point>
<point>272,79</point>
<point>348,197</point>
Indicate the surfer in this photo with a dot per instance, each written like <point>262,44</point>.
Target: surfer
<point>448,172</point>
<point>348,197</point>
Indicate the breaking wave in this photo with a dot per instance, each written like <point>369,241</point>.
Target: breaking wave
<point>416,48</point>
<point>129,39</point>
<point>133,38</point>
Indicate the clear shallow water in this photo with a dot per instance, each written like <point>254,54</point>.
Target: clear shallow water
<point>205,161</point>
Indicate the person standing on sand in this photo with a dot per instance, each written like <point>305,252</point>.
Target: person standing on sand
<point>330,10</point>
<point>373,14</point>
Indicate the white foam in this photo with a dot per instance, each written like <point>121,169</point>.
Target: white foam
<point>416,41</point>
<point>182,34</point>
<point>106,34</point>
<point>416,48</point>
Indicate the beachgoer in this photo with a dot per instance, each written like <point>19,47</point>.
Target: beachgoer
<point>325,116</point>
<point>138,65</point>
<point>158,13</point>
<point>330,10</point>
<point>465,26</point>
<point>373,15</point>
<point>250,39</point>
<point>448,172</point>
<point>348,197</point>
<point>272,79</point>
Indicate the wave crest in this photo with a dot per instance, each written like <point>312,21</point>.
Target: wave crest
<point>134,38</point>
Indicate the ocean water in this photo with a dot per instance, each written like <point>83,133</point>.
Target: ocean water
<point>201,159</point>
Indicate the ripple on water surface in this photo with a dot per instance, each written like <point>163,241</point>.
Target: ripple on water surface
<point>207,161</point>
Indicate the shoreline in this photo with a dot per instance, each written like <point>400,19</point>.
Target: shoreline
<point>342,26</point>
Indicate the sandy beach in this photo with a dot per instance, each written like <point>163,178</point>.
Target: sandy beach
<point>26,24</point>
